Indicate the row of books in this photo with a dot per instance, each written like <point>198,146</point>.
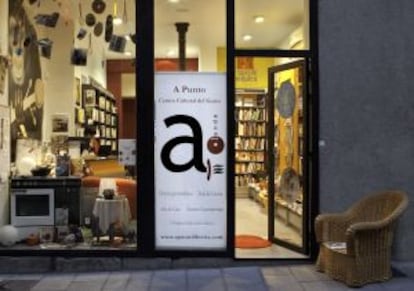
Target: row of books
<point>251,114</point>
<point>248,168</point>
<point>244,156</point>
<point>241,181</point>
<point>251,129</point>
<point>256,143</point>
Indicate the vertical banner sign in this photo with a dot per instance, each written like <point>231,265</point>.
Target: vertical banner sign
<point>190,161</point>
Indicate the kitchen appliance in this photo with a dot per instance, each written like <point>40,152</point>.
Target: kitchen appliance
<point>35,199</point>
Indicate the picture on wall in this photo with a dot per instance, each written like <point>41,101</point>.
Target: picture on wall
<point>90,97</point>
<point>26,92</point>
<point>60,123</point>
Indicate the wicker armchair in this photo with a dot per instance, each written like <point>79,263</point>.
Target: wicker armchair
<point>355,246</point>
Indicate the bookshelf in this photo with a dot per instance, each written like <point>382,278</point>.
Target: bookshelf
<point>101,115</point>
<point>250,137</point>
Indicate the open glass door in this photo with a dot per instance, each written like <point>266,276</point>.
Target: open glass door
<point>287,188</point>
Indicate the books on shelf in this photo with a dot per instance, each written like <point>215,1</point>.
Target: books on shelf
<point>250,140</point>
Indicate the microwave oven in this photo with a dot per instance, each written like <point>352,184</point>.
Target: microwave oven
<point>30,207</point>
<point>44,195</point>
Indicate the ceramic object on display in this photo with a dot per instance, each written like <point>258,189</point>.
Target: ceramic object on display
<point>32,239</point>
<point>98,6</point>
<point>41,171</point>
<point>90,19</point>
<point>109,28</point>
<point>98,29</point>
<point>108,194</point>
<point>8,235</point>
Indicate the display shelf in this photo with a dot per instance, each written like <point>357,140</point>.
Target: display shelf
<point>250,137</point>
<point>101,114</point>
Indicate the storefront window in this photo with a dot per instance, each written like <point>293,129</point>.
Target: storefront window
<point>270,24</point>
<point>70,106</point>
<point>190,126</point>
<point>68,125</point>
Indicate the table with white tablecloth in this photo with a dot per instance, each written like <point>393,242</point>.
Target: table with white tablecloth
<point>109,211</point>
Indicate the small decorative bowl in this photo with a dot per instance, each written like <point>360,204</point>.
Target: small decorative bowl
<point>41,171</point>
<point>108,194</point>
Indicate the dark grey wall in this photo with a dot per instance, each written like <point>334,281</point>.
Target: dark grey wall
<point>366,56</point>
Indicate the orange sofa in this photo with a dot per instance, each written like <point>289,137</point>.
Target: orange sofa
<point>90,188</point>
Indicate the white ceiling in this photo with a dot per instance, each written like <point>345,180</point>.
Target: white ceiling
<point>207,21</point>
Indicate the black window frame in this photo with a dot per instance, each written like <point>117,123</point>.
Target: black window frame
<point>145,139</point>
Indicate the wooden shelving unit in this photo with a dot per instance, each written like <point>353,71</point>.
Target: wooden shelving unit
<point>101,115</point>
<point>250,137</point>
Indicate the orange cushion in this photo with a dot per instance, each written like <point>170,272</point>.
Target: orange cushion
<point>129,189</point>
<point>91,181</point>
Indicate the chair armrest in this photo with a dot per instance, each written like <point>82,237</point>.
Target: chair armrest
<point>331,226</point>
<point>369,237</point>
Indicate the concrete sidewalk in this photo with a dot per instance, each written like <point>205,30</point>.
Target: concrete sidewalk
<point>253,278</point>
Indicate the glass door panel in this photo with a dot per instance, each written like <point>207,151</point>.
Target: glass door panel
<point>287,196</point>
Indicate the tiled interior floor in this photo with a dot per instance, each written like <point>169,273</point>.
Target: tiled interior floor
<point>252,219</point>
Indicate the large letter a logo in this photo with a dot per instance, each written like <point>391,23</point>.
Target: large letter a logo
<point>196,140</point>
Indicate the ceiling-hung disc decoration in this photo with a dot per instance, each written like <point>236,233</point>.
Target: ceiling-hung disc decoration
<point>289,185</point>
<point>98,6</point>
<point>285,100</point>
<point>90,19</point>
<point>108,28</point>
<point>98,29</point>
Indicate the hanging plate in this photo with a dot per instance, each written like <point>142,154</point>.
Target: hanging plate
<point>108,28</point>
<point>98,29</point>
<point>90,19</point>
<point>98,6</point>
<point>285,100</point>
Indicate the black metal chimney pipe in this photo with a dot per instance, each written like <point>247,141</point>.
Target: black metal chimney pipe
<point>182,28</point>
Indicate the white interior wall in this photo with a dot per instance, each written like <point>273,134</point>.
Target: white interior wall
<point>4,8</point>
<point>58,73</point>
<point>208,58</point>
<point>5,166</point>
<point>96,63</point>
<point>128,85</point>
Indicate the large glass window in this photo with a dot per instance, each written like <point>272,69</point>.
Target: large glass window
<point>272,24</point>
<point>72,120</point>
<point>190,126</point>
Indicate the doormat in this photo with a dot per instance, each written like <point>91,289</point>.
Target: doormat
<point>246,241</point>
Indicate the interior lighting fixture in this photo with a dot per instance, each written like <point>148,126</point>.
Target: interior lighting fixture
<point>170,53</point>
<point>127,37</point>
<point>174,1</point>
<point>117,21</point>
<point>259,19</point>
<point>127,53</point>
<point>247,37</point>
